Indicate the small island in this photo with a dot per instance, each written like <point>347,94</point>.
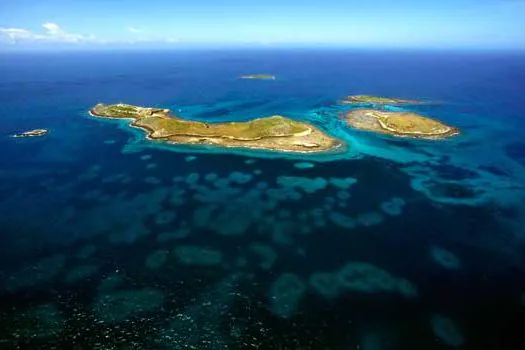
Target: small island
<point>401,124</point>
<point>258,76</point>
<point>376,100</point>
<point>275,133</point>
<point>31,133</point>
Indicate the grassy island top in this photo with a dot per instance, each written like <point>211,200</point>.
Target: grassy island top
<point>402,124</point>
<point>258,76</point>
<point>364,99</point>
<point>275,132</point>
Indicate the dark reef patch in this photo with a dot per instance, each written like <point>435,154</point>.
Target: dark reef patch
<point>451,190</point>
<point>452,172</point>
<point>494,170</point>
<point>516,151</point>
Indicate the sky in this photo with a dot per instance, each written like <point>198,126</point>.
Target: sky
<point>93,24</point>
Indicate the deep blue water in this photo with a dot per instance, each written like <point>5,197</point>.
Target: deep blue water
<point>111,241</point>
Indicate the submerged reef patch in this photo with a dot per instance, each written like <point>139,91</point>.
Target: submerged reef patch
<point>369,219</point>
<point>196,255</point>
<point>240,178</point>
<point>304,165</point>
<point>113,217</point>
<point>111,282</point>
<point>342,183</point>
<point>267,254</point>
<point>285,295</point>
<point>80,273</point>
<point>445,258</point>
<point>165,217</point>
<point>325,284</point>
<point>366,278</point>
<point>308,185</point>
<point>448,192</point>
<point>199,324</point>
<point>156,259</point>
<point>447,330</point>
<point>41,272</point>
<point>342,220</point>
<point>86,251</point>
<point>393,207</point>
<point>39,322</point>
<point>234,220</point>
<point>123,305</point>
<point>173,235</point>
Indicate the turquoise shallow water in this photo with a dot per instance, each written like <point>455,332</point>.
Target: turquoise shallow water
<point>108,240</point>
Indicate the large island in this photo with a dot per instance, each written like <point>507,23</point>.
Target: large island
<point>401,124</point>
<point>377,100</point>
<point>274,133</point>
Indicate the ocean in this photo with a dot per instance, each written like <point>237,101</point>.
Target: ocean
<point>111,241</point>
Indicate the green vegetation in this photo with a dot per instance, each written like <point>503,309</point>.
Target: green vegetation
<point>275,126</point>
<point>405,124</point>
<point>159,120</point>
<point>275,132</point>
<point>123,110</point>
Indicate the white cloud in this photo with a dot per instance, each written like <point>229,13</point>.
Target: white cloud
<point>52,33</point>
<point>15,33</point>
<point>134,30</point>
<point>51,27</point>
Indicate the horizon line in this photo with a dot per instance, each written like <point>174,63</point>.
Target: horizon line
<point>64,49</point>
